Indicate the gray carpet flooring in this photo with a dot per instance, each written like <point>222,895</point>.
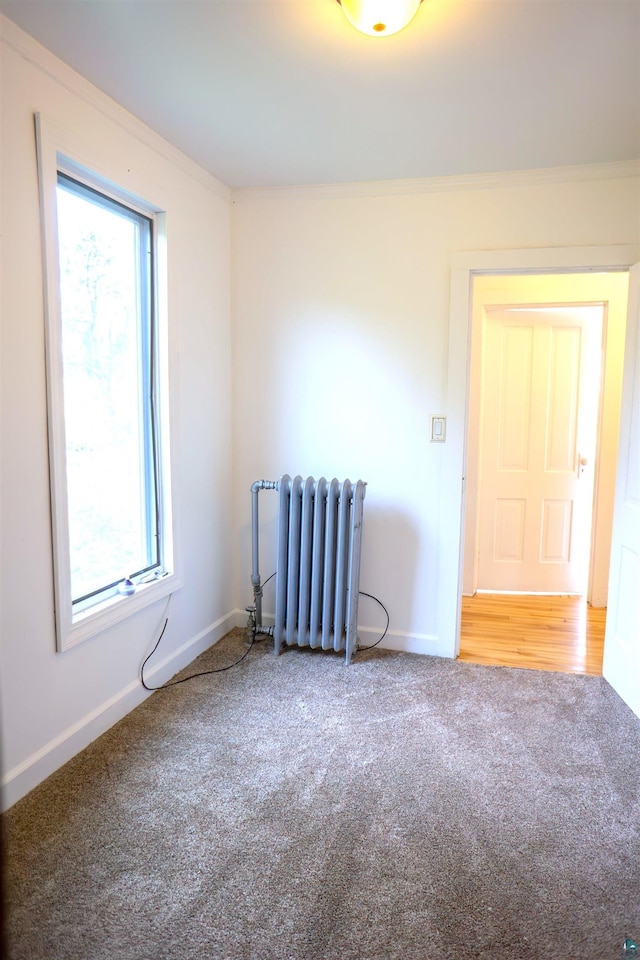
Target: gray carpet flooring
<point>294,808</point>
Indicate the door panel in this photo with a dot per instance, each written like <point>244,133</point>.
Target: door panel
<point>509,530</point>
<point>512,364</point>
<point>622,638</point>
<point>555,539</point>
<point>539,412</point>
<point>565,349</point>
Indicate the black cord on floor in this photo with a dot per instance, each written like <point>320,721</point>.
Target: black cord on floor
<point>206,673</point>
<point>362,594</point>
<point>192,676</point>
<point>380,603</point>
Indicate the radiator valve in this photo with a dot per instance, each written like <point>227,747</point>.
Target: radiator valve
<point>251,623</point>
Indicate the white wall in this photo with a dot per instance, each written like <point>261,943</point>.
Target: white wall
<point>340,313</point>
<point>340,305</point>
<point>55,703</point>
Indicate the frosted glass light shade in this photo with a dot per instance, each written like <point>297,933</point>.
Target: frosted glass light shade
<point>380,18</point>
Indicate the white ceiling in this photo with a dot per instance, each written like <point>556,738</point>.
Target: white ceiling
<point>267,93</point>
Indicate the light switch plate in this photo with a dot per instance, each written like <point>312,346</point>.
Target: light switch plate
<point>438,429</point>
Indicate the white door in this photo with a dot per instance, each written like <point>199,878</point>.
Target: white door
<point>622,638</point>
<point>540,392</point>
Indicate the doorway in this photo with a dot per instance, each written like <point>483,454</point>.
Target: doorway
<point>527,307</point>
<point>465,266</point>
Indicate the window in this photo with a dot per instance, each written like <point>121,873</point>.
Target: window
<point>107,334</point>
<point>107,377</point>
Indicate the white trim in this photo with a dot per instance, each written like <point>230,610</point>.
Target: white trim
<point>423,643</point>
<point>464,265</point>
<point>545,259</point>
<point>96,619</point>
<point>529,296</point>
<point>18,781</point>
<point>57,148</point>
<point>165,669</point>
<point>621,663</point>
<point>239,617</point>
<point>24,777</point>
<point>45,61</point>
<point>394,640</point>
<point>480,181</point>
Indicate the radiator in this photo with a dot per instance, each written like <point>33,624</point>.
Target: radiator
<point>318,563</point>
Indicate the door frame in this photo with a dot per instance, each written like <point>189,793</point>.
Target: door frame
<point>603,479</point>
<point>464,265</point>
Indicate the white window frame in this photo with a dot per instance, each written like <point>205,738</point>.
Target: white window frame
<point>57,151</point>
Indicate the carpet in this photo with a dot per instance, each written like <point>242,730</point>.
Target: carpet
<point>293,808</point>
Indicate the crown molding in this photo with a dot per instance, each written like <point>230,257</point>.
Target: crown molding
<point>25,46</point>
<point>627,169</point>
<point>29,49</point>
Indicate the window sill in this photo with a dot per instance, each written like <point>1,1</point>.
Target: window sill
<point>95,620</point>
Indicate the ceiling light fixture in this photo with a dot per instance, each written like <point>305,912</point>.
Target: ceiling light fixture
<point>379,18</point>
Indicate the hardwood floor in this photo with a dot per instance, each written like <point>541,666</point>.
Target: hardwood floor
<point>541,633</point>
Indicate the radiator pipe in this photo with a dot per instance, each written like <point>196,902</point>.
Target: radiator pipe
<point>256,487</point>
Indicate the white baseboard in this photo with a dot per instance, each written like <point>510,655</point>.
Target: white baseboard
<point>240,617</point>
<point>423,643</point>
<point>21,779</point>
<point>17,782</point>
